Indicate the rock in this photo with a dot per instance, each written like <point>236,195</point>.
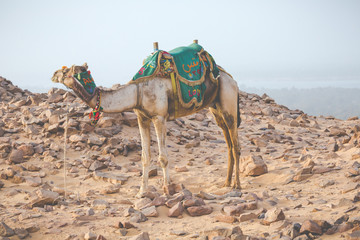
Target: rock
<point>138,217</point>
<point>357,197</point>
<point>94,140</point>
<point>354,235</point>
<point>310,226</point>
<point>21,232</point>
<point>97,165</point>
<point>247,216</point>
<point>17,179</point>
<point>141,236</point>
<point>45,197</point>
<point>30,167</point>
<point>344,227</point>
<point>33,181</point>
<point>176,210</point>
<point>109,177</point>
<point>171,189</point>
<point>233,210</point>
<point>193,202</point>
<point>273,215</point>
<point>76,138</point>
<point>90,236</point>
<point>174,200</point>
<point>294,123</point>
<point>111,189</point>
<point>141,203</point>
<point>159,201</point>
<point>100,204</point>
<point>150,212</point>
<point>225,218</point>
<point>5,230</point>
<point>206,196</point>
<point>16,157</point>
<point>1,184</point>
<point>199,210</point>
<point>253,166</point>
<point>267,111</point>
<point>181,169</point>
<point>27,149</point>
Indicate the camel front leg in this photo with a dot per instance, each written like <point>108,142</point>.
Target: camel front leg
<point>160,128</point>
<point>144,127</point>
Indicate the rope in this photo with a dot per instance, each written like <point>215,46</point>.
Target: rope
<point>65,144</point>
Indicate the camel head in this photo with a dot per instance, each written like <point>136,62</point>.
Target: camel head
<point>64,75</point>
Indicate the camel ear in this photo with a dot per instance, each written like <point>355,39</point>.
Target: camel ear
<point>85,66</point>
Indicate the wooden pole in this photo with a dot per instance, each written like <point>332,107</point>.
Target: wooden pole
<point>156,46</point>
<point>196,41</point>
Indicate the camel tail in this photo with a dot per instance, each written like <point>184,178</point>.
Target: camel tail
<point>238,111</point>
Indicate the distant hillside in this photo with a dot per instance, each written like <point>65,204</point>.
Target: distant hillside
<point>341,103</point>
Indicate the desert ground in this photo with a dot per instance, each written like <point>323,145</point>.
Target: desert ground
<point>300,174</point>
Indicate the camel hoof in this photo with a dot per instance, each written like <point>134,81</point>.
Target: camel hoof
<point>227,184</point>
<point>237,186</point>
<point>140,194</point>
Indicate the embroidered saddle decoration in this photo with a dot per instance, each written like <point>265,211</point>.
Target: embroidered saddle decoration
<point>189,65</point>
<point>89,85</point>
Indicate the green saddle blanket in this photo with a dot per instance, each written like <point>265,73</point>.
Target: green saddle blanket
<point>190,64</point>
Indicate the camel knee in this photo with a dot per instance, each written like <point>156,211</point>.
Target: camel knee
<point>163,161</point>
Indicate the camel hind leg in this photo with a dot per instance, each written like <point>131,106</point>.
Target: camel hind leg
<point>221,123</point>
<point>226,112</point>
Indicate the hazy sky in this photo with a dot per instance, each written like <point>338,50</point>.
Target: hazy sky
<point>253,39</point>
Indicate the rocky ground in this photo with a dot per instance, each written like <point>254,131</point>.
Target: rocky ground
<point>300,174</point>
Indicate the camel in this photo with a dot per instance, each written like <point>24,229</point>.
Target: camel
<point>152,101</point>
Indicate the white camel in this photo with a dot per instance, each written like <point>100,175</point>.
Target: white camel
<point>153,101</point>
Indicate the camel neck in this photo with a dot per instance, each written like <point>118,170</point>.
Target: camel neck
<point>120,100</point>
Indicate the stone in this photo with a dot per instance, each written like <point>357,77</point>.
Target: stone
<point>17,179</point>
<point>176,210</point>
<point>273,215</point>
<point>33,181</point>
<point>76,138</point>
<point>31,167</point>
<point>310,226</point>
<point>193,202</point>
<point>109,177</point>
<point>354,235</point>
<point>174,200</point>
<point>138,217</point>
<point>5,230</point>
<point>181,169</point>
<point>21,232</point>
<point>206,196</point>
<point>199,210</point>
<point>225,218</point>
<point>141,236</point>
<point>90,236</point>
<point>159,201</point>
<point>141,203</point>
<point>170,189</point>
<point>150,212</point>
<point>94,140</point>
<point>16,157</point>
<point>247,216</point>
<point>100,204</point>
<point>1,184</point>
<point>253,166</point>
<point>27,149</point>
<point>233,210</point>
<point>97,165</point>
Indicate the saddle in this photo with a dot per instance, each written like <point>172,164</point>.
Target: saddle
<point>187,67</point>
